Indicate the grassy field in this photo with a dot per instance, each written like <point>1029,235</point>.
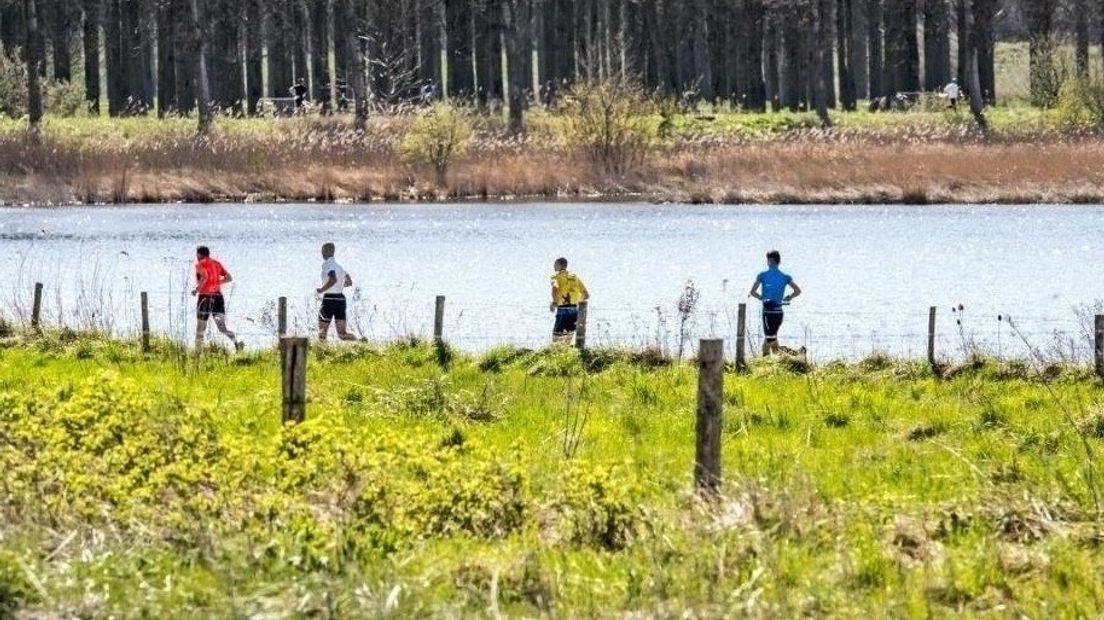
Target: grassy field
<point>527,484</point>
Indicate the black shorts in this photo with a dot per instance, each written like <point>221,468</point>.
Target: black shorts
<point>772,320</point>
<point>206,305</point>
<point>567,318</point>
<point>333,307</point>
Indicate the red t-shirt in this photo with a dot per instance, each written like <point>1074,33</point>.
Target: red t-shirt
<point>214,272</point>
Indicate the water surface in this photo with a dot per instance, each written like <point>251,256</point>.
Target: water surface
<point>869,272</point>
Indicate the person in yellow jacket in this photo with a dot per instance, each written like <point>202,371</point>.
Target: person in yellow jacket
<point>567,291</point>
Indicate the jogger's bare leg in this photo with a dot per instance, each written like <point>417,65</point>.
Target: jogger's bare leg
<point>201,330</point>
<point>323,329</point>
<point>343,330</point>
<point>220,323</point>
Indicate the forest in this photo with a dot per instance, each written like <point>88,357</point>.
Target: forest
<point>182,56</point>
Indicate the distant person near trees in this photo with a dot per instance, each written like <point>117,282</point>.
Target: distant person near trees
<point>952,92</point>
<point>770,288</point>
<point>210,276</point>
<point>333,309</point>
<point>567,291</point>
<point>299,92</point>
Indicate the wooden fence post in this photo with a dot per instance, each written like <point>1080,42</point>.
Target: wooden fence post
<point>439,320</point>
<point>707,459</point>
<point>1098,341</point>
<point>741,336</point>
<point>145,323</point>
<point>281,317</point>
<point>931,336</point>
<point>581,327</point>
<point>293,360</point>
<point>36,308</point>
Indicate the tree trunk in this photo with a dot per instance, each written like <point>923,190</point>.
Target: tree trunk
<point>1040,25</point>
<point>63,60</point>
<point>973,74</point>
<point>845,53</point>
<point>202,83</point>
<point>752,84</point>
<point>90,35</point>
<point>984,14</point>
<point>34,72</point>
<point>821,57</point>
<point>515,21</point>
<point>1081,34</point>
<point>876,50</point>
<point>355,69</point>
<point>936,45</point>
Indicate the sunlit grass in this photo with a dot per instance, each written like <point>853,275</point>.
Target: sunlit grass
<point>867,489</point>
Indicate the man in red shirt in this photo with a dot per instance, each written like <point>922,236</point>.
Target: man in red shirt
<point>210,276</point>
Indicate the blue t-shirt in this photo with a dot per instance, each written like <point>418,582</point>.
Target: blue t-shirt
<point>774,284</point>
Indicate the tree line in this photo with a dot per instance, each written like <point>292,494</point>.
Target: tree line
<point>188,56</point>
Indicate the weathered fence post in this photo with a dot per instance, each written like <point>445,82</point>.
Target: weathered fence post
<point>707,459</point>
<point>741,336</point>
<point>36,308</point>
<point>145,323</point>
<point>281,317</point>
<point>581,327</point>
<point>293,361</point>
<point>931,336</point>
<point>439,320</point>
<point>1098,341</point>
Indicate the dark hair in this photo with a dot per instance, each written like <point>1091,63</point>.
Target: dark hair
<point>774,257</point>
<point>561,262</point>
<point>203,251</point>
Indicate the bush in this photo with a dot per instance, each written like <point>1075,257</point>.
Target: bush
<point>1081,102</point>
<point>438,137</point>
<point>13,84</point>
<point>599,507</point>
<point>611,122</point>
<point>65,99</point>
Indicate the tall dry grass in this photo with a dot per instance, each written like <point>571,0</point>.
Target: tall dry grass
<point>303,160</point>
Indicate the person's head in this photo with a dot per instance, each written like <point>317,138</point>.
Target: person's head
<point>560,264</point>
<point>203,252</point>
<point>328,250</point>
<point>774,258</point>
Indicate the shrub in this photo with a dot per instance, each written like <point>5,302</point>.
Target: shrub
<point>611,122</point>
<point>1081,102</point>
<point>13,84</point>
<point>599,507</point>
<point>64,98</point>
<point>438,137</point>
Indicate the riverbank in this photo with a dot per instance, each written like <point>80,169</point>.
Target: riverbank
<point>537,483</point>
<point>913,158</point>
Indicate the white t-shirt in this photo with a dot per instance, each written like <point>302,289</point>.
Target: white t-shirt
<point>338,287</point>
<point>952,90</point>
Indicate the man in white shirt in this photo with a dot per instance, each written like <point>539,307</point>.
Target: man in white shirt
<point>334,281</point>
<point>952,92</point>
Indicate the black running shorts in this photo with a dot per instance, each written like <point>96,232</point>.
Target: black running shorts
<point>333,308</point>
<point>772,320</point>
<point>207,305</point>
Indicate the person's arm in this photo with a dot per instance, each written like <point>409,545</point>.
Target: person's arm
<point>331,280</point>
<point>796,291</point>
<point>555,298</point>
<point>348,280</point>
<point>585,292</point>
<point>755,291</point>
<point>226,277</point>
<point>201,279</point>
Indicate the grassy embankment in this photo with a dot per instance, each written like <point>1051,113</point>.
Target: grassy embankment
<point>529,484</point>
<point>717,156</point>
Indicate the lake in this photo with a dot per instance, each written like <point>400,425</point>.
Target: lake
<point>870,273</point>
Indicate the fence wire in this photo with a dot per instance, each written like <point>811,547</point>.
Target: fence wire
<point>113,308</point>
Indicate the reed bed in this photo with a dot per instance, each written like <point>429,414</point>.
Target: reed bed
<point>902,158</point>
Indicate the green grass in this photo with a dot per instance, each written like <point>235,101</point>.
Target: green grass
<point>160,487</point>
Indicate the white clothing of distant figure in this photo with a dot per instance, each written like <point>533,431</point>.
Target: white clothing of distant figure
<point>952,92</point>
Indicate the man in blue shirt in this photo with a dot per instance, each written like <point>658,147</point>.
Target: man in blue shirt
<point>770,288</point>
